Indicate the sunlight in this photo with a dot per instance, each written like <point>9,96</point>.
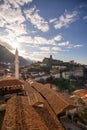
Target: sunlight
<point>15,45</point>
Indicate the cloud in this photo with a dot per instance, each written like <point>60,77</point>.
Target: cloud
<point>74,46</point>
<point>83,5</point>
<point>58,38</point>
<point>16,30</point>
<point>52,20</point>
<point>25,39</point>
<point>9,47</point>
<point>44,48</point>
<point>67,44</point>
<point>33,32</point>
<point>77,46</point>
<point>2,22</point>
<point>37,40</point>
<point>85,17</point>
<point>64,20</point>
<point>24,54</point>
<point>64,44</point>
<point>32,15</point>
<point>58,49</point>
<point>12,21</point>
<point>13,16</point>
<point>38,56</point>
<point>39,46</point>
<point>17,3</point>
<point>10,12</point>
<point>40,40</point>
<point>10,41</point>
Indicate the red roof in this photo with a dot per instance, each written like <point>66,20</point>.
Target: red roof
<point>80,92</point>
<point>58,102</point>
<point>10,82</point>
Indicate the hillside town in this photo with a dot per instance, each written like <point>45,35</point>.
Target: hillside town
<point>56,68</point>
<point>74,73</point>
<point>30,99</point>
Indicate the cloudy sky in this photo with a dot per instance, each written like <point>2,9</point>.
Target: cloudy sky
<point>40,28</point>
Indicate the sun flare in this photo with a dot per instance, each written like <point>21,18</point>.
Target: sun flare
<point>15,45</point>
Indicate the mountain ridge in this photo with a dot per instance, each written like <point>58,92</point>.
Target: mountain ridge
<point>9,57</point>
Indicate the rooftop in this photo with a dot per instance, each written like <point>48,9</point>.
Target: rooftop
<point>20,115</point>
<point>10,82</point>
<point>38,109</point>
<point>55,99</point>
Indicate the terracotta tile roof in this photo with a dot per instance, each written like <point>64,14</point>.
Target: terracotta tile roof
<point>85,98</point>
<point>34,97</point>
<point>57,102</point>
<point>49,117</point>
<point>10,82</point>
<point>51,86</point>
<point>80,92</point>
<point>25,112</point>
<point>10,114</point>
<point>21,116</point>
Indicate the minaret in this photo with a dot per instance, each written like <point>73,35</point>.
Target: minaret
<point>16,64</point>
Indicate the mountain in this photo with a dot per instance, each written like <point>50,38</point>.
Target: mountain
<point>8,57</point>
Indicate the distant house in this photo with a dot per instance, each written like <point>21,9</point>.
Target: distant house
<point>62,67</point>
<point>44,77</point>
<point>43,65</point>
<point>66,75</point>
<point>78,72</point>
<point>55,74</point>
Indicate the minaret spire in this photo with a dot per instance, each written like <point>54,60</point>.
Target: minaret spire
<point>16,64</point>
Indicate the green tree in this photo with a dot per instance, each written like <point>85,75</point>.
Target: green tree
<point>62,83</point>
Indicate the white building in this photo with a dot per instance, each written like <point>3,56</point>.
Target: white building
<point>56,74</point>
<point>78,72</point>
<point>44,77</point>
<point>66,75</point>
